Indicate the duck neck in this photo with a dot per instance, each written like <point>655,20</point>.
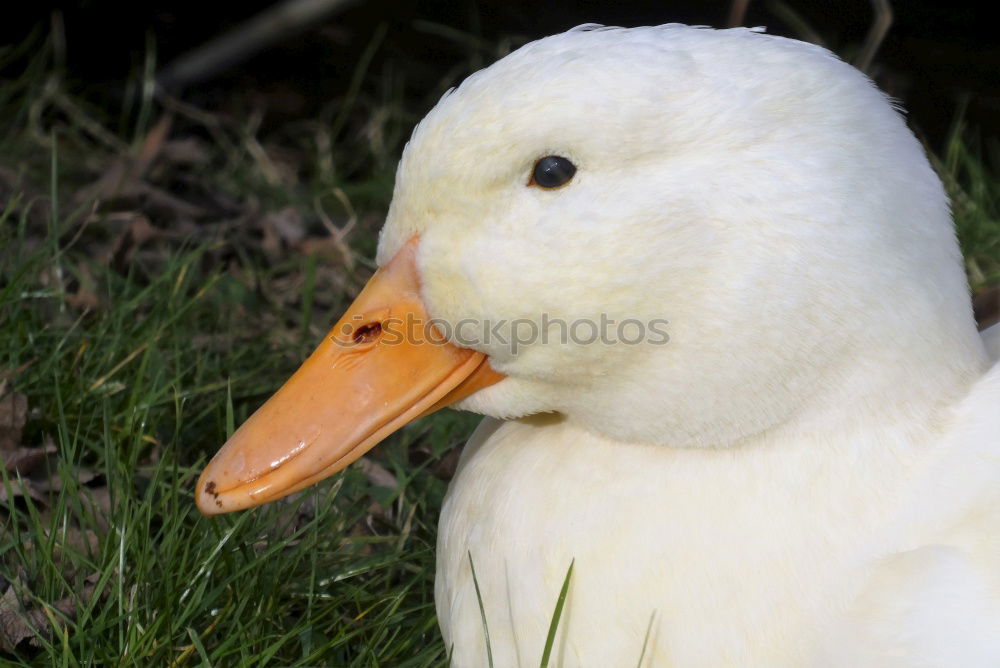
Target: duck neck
<point>889,394</point>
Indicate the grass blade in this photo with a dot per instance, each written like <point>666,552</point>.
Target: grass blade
<point>230,413</point>
<point>556,614</point>
<point>645,640</point>
<point>482,612</point>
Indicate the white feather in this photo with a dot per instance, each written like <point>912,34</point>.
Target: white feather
<point>809,472</point>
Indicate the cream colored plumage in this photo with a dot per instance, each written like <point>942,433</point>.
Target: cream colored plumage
<point>808,473</point>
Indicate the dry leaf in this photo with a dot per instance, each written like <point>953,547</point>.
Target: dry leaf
<point>281,229</point>
<point>97,500</point>
<point>85,297</point>
<point>55,483</point>
<point>18,623</point>
<point>21,487</point>
<point>185,152</point>
<point>71,539</point>
<point>168,205</point>
<point>123,177</point>
<point>377,475</point>
<point>33,201</point>
<point>25,460</point>
<point>137,232</point>
<point>14,628</point>
<point>13,415</point>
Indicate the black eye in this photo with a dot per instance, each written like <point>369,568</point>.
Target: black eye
<point>552,171</point>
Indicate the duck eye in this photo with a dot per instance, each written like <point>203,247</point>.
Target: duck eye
<point>552,171</point>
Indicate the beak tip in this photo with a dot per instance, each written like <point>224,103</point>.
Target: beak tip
<point>206,497</point>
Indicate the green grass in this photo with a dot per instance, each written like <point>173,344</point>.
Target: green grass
<point>127,394</point>
<point>482,613</point>
<point>550,637</point>
<point>181,338</point>
<point>974,190</point>
<point>176,342</point>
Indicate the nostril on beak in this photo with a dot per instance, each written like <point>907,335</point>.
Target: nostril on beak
<point>367,333</point>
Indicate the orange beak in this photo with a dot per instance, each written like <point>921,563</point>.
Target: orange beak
<point>380,367</point>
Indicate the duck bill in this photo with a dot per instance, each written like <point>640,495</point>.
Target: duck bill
<point>381,366</point>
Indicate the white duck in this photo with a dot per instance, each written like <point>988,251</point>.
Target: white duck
<point>808,473</point>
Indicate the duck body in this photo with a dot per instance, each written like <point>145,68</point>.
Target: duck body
<point>869,549</point>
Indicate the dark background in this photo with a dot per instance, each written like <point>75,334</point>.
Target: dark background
<point>941,59</point>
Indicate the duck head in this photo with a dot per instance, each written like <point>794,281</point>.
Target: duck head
<point>669,235</point>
